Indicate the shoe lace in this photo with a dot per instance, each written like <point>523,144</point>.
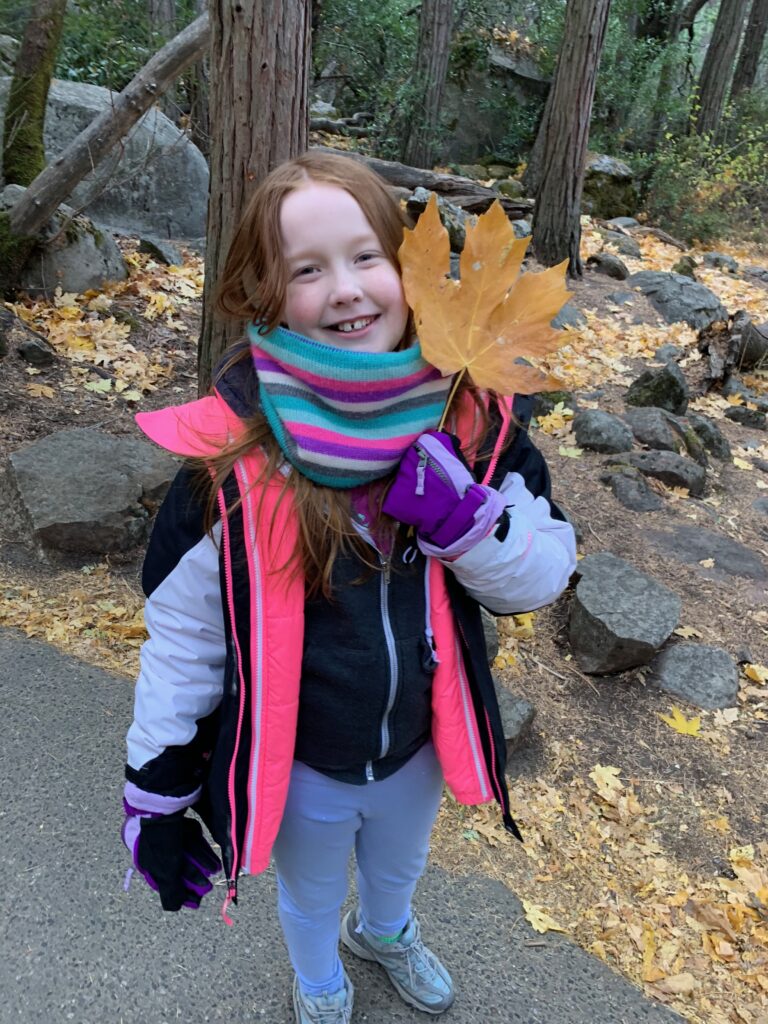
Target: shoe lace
<point>334,1014</point>
<point>421,961</point>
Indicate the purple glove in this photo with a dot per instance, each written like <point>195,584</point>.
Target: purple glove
<point>435,491</point>
<point>168,849</point>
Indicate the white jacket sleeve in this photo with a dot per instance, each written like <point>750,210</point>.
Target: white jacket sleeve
<point>182,663</point>
<point>530,567</point>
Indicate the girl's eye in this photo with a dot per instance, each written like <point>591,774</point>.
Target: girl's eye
<point>365,257</point>
<point>303,272</point>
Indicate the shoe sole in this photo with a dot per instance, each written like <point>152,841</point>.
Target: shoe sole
<point>348,940</point>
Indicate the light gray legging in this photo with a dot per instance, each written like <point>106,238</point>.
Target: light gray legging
<point>388,823</point>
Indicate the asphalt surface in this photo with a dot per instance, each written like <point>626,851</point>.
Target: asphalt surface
<point>74,946</point>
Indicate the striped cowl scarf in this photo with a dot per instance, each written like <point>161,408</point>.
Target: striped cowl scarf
<point>344,418</point>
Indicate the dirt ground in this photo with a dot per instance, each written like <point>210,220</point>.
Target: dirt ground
<point>640,870</point>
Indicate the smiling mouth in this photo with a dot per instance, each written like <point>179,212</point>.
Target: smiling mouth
<point>350,326</point>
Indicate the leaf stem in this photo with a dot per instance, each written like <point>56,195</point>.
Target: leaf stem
<point>451,394</point>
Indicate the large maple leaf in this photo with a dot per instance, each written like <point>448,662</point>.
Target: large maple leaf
<point>494,316</point>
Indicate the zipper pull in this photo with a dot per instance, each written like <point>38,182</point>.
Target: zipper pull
<point>386,566</point>
<point>421,470</point>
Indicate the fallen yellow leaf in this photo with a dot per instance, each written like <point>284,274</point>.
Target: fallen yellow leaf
<point>40,390</point>
<point>678,722</point>
<point>686,632</point>
<point>742,464</point>
<point>539,919</point>
<point>758,673</point>
<point>607,782</point>
<point>707,563</point>
<point>570,453</point>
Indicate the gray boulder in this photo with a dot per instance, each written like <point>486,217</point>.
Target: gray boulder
<point>677,298</point>
<point>522,228</point>
<point>161,250</point>
<point>609,189</point>
<point>31,346</point>
<point>721,260</point>
<point>569,316</point>
<point>694,544</point>
<point>631,490</point>
<point>665,388</point>
<point>667,353</point>
<point>673,470</point>
<point>627,246</point>
<point>620,298</point>
<point>710,435</point>
<point>601,432</point>
<point>609,264</point>
<point>624,222</point>
<point>761,273</point>
<point>517,715</point>
<point>619,616</point>
<point>73,253</point>
<point>82,491</point>
<point>654,428</point>
<point>702,674</point>
<point>156,180</point>
<point>491,633</point>
<point>752,418</point>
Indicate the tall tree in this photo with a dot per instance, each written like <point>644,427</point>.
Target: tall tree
<point>420,130</point>
<point>754,37</point>
<point>564,133</point>
<point>260,66</point>
<point>23,148</point>
<point>162,24</point>
<point>718,64</point>
<point>196,87</point>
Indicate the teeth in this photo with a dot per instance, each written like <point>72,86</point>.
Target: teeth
<point>354,325</point>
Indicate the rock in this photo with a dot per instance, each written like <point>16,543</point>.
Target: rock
<point>320,108</point>
<point>761,273</point>
<point>510,187</point>
<point>761,464</point>
<point>569,316</point>
<point>601,432</point>
<point>82,489</point>
<point>156,180</point>
<point>673,470</point>
<point>753,346</point>
<point>631,490</point>
<point>710,436</point>
<point>500,170</point>
<point>678,298</point>
<point>545,401</point>
<point>686,266</point>
<point>30,345</point>
<point>161,251</point>
<point>721,260</point>
<point>619,616</point>
<point>517,715</point>
<point>620,298</point>
<point>453,217</point>
<point>654,428</point>
<point>569,517</point>
<point>665,388</point>
<point>702,674</point>
<point>476,171</point>
<point>455,266</point>
<point>667,353</point>
<point>609,190</point>
<point>610,265</point>
<point>746,417</point>
<point>73,253</point>
<point>734,386</point>
<point>491,633</point>
<point>694,544</point>
<point>761,505</point>
<point>627,246</point>
<point>624,222</point>
<point>522,228</point>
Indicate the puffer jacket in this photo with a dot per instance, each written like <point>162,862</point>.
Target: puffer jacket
<point>218,696</point>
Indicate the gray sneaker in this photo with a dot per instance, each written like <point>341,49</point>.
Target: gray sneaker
<point>417,974</point>
<point>324,1009</point>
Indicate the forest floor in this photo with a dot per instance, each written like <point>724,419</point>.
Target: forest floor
<point>647,845</point>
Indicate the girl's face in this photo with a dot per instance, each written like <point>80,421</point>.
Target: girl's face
<point>342,290</point>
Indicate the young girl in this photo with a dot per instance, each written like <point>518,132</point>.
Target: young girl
<point>316,664</point>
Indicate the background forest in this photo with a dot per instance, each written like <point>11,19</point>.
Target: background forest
<point>662,62</point>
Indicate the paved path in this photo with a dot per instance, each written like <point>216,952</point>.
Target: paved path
<point>76,947</point>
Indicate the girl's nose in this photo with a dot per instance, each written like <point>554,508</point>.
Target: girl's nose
<point>346,288</point>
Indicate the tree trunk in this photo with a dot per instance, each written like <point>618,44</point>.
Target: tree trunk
<point>197,92</point>
<point>420,131</point>
<point>718,64</point>
<point>57,181</point>
<point>556,228</point>
<point>749,58</point>
<point>23,148</point>
<point>260,67</point>
<point>162,25</point>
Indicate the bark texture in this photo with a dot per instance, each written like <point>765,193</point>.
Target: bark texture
<point>162,24</point>
<point>260,61</point>
<point>746,66</point>
<point>718,64</point>
<point>420,131</point>
<point>556,228</point>
<point>23,149</point>
<point>57,181</point>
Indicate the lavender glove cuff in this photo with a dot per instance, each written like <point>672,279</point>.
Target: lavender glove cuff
<point>139,802</point>
<point>485,518</point>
